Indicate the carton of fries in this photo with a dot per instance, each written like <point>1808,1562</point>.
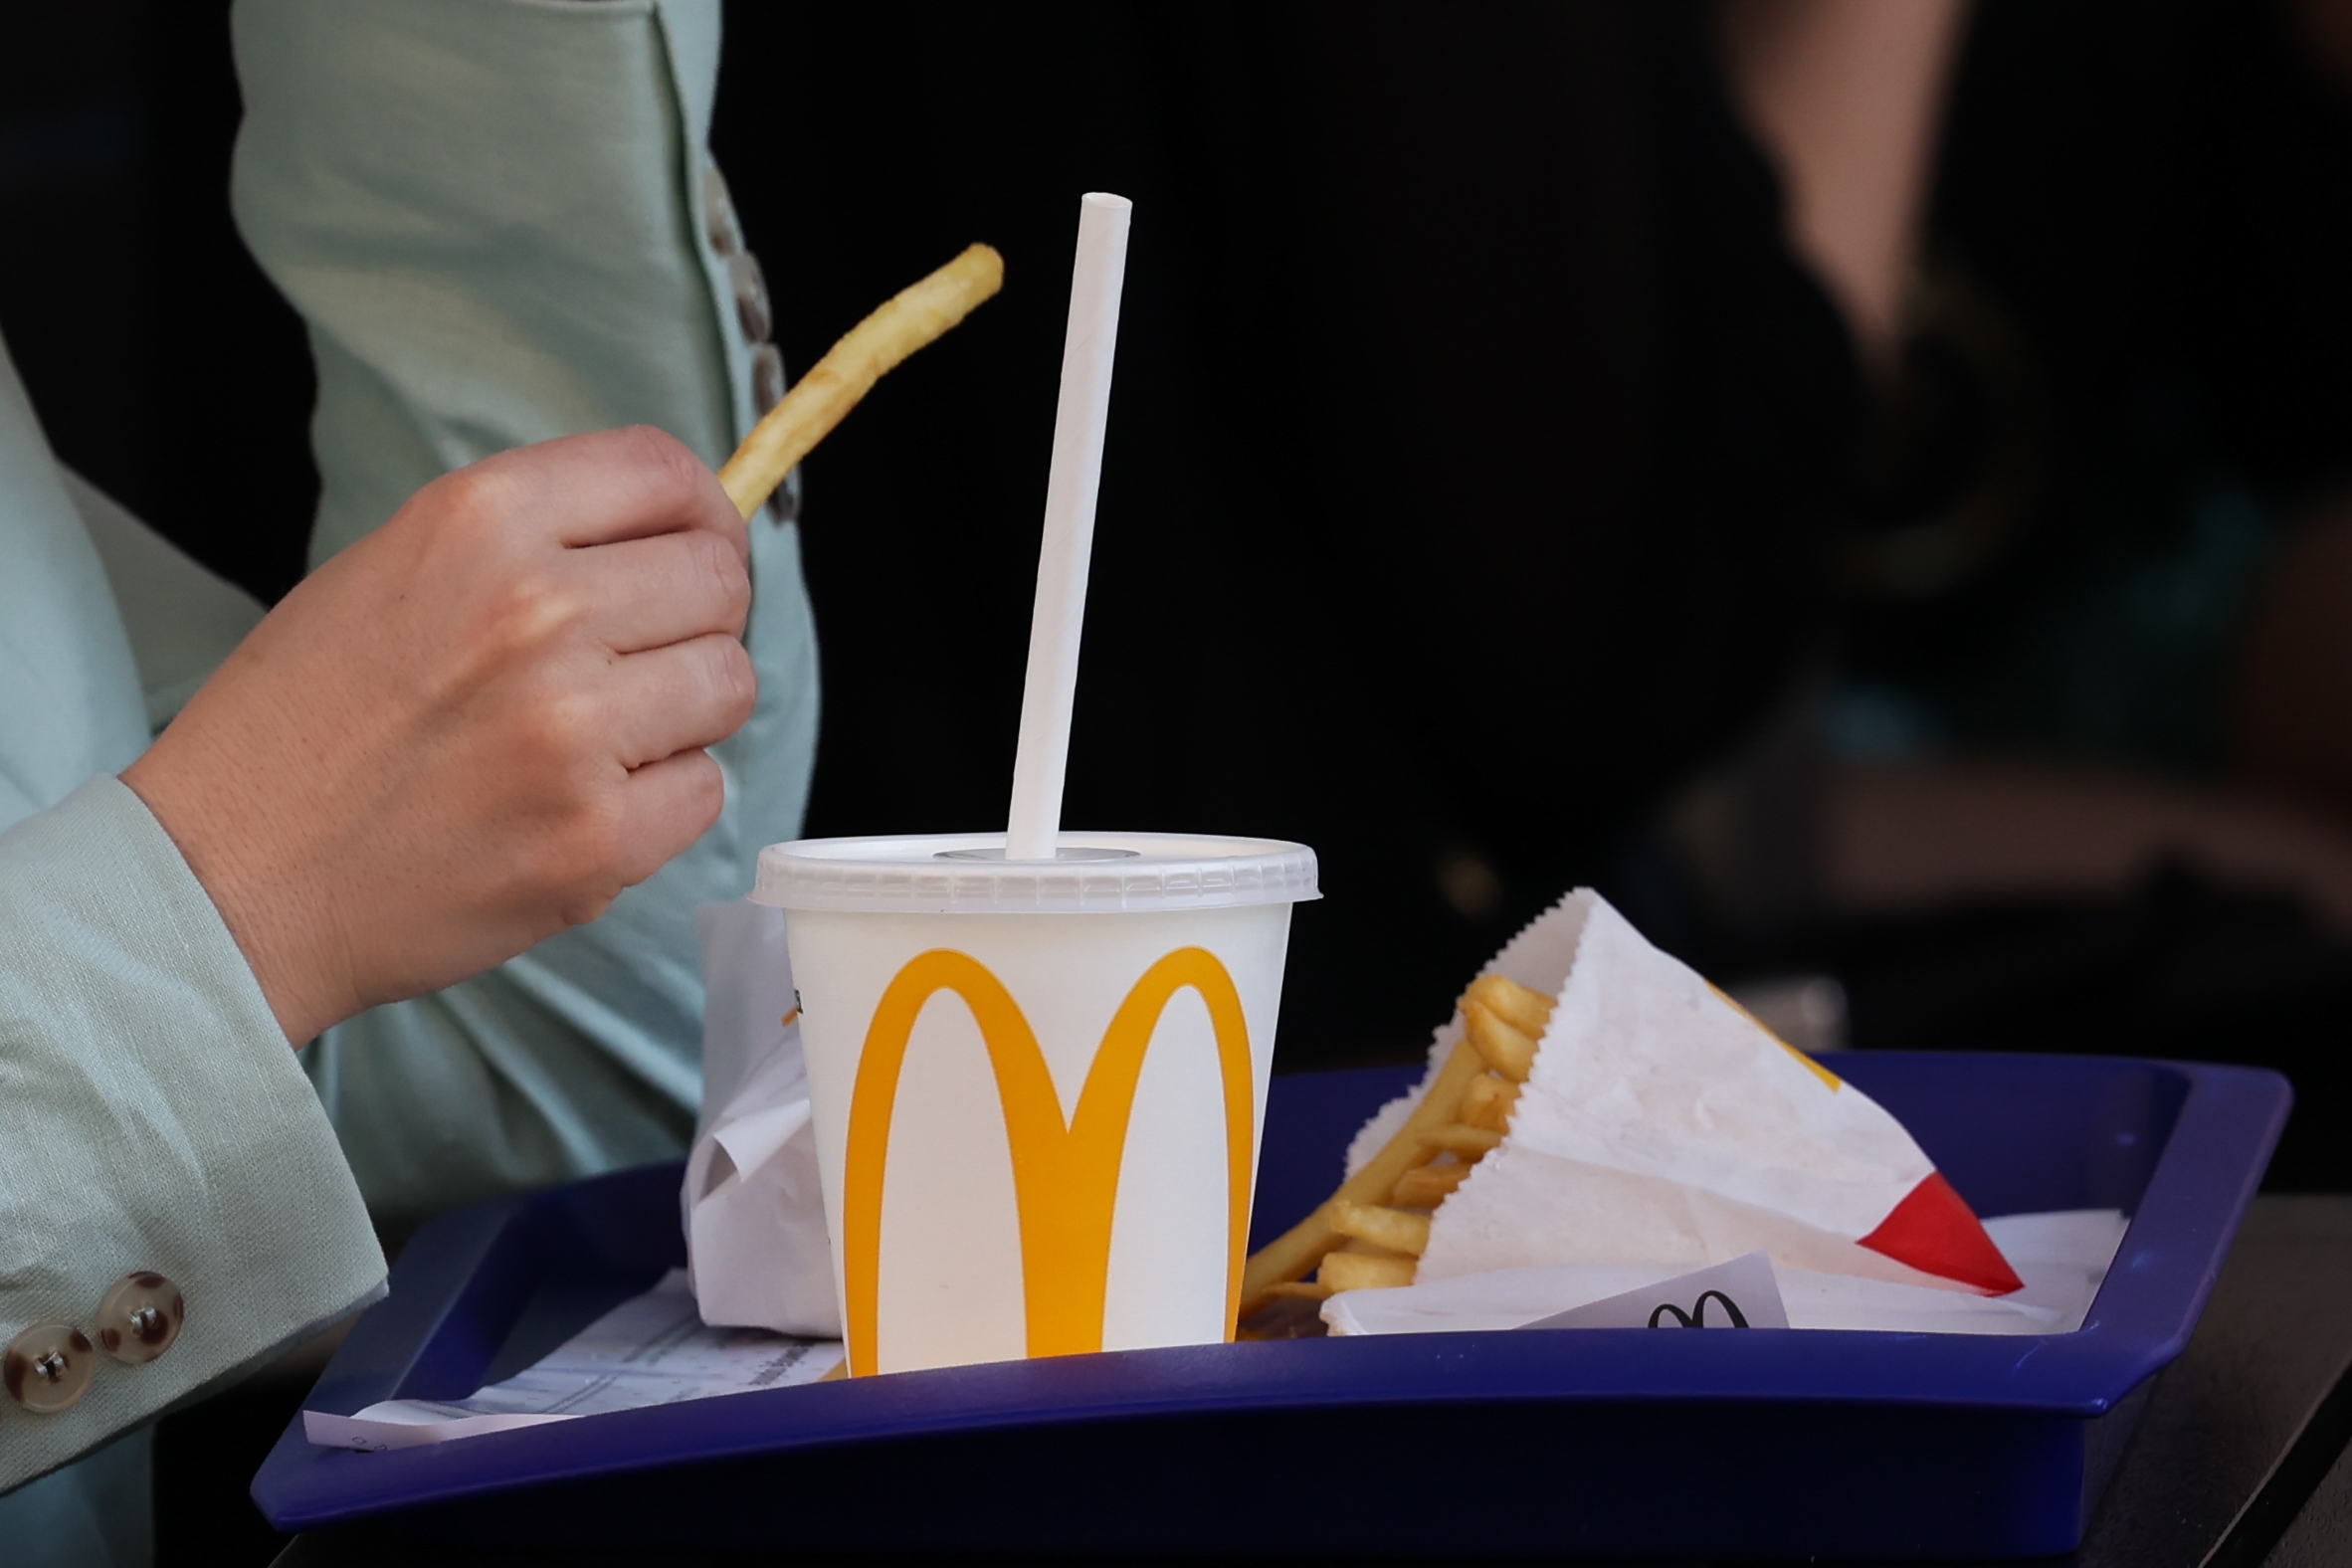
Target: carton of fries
<point>1595,1102</point>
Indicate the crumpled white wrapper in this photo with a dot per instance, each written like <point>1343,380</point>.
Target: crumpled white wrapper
<point>2062,1256</point>
<point>1662,1129</point>
<point>757,1254</point>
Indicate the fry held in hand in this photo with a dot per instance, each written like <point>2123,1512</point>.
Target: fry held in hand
<point>914,319</point>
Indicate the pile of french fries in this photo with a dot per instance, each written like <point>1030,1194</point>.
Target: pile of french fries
<point>1372,1232</point>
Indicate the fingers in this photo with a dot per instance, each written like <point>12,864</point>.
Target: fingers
<point>611,485</point>
<point>678,697</point>
<point>668,806</point>
<point>648,593</point>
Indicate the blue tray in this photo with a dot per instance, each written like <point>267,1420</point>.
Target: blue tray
<point>1609,1442</point>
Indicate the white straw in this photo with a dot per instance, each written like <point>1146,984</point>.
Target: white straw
<point>1069,543</point>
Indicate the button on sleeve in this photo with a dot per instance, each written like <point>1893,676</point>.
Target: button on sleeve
<point>139,1317</point>
<point>48,1367</point>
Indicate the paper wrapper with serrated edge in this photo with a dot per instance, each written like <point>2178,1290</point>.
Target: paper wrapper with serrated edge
<point>1662,1126</point>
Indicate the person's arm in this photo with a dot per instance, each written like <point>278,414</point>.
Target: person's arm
<point>499,224</point>
<point>151,1117</point>
<point>153,1121</point>
<point>383,790</point>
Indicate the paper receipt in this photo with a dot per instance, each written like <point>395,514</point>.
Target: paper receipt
<point>652,1350</point>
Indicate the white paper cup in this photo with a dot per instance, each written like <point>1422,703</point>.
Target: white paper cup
<point>1038,1086</point>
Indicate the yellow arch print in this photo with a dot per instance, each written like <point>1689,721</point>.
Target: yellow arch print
<point>1065,1177</point>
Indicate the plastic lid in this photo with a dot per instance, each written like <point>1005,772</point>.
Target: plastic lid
<point>1096,873</point>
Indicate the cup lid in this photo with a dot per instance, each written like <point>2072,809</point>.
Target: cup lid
<point>1096,873</point>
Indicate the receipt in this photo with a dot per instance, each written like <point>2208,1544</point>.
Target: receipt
<point>652,1350</point>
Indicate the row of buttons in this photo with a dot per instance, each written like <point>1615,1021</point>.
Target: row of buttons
<point>50,1365</point>
<point>754,314</point>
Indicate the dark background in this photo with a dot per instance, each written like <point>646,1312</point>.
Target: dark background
<point>1480,465</point>
<point>1474,438</point>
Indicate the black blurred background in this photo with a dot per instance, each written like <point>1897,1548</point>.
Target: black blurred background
<point>1484,470</point>
<point>1474,436</point>
<point>1474,439</point>
<point>1483,466</point>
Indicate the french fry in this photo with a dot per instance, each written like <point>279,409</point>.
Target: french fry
<point>1294,1254</point>
<point>1302,1289</point>
<point>1525,1009</point>
<point>910,319</point>
<point>1507,1050</point>
<point>1465,1113</point>
<point>1489,1103</point>
<point>1354,1271</point>
<point>1466,1142</point>
<point>1393,1229</point>
<point>1426,1186</point>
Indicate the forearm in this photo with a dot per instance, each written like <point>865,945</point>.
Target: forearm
<point>154,1121</point>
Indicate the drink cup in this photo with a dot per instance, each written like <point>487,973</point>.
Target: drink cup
<point>1038,1086</point>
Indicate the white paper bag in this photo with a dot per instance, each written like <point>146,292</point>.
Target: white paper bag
<point>757,1253</point>
<point>1662,1128</point>
<point>2063,1258</point>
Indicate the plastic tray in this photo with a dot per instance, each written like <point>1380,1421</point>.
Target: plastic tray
<point>1612,1442</point>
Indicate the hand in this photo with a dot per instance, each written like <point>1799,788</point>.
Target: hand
<point>471,730</point>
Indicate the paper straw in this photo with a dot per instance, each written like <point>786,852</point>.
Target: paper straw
<point>1068,543</point>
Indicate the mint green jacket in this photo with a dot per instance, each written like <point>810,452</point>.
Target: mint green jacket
<point>498,220</point>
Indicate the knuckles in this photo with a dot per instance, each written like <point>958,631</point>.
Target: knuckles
<point>578,847</point>
<point>685,486</point>
<point>597,841</point>
<point>533,608</point>
<point>700,795</point>
<point>467,504</point>
<point>718,562</point>
<point>667,456</point>
<point>731,681</point>
<point>560,730</point>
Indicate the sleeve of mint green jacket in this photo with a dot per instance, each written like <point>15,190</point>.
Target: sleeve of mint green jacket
<point>182,620</point>
<point>151,1117</point>
<point>491,215</point>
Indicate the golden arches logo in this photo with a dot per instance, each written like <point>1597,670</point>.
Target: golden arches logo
<point>1065,1175</point>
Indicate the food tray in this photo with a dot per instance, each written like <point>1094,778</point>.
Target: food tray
<point>1594,1443</point>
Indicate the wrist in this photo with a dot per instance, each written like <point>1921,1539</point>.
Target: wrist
<point>244,864</point>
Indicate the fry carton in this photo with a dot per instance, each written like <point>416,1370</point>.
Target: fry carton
<point>1660,1126</point>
